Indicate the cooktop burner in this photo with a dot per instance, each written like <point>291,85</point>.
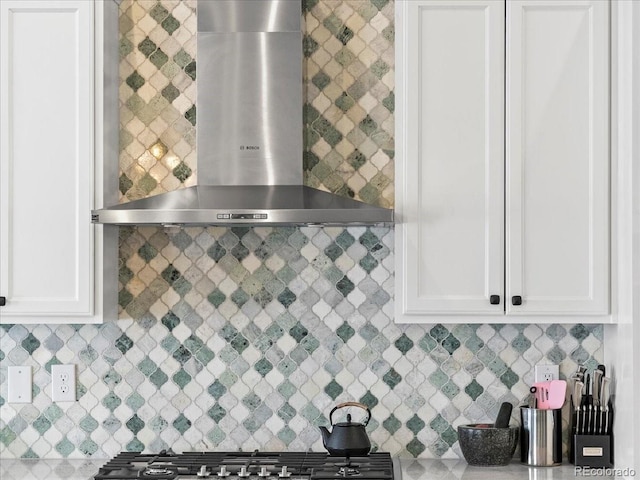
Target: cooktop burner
<point>168,465</point>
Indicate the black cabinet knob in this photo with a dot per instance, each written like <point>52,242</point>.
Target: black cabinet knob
<point>3,301</point>
<point>516,300</point>
<point>494,299</point>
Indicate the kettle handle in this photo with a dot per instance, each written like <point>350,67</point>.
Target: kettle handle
<point>351,404</point>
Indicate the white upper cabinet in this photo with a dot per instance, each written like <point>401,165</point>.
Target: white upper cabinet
<point>557,137</point>
<point>451,157</point>
<point>48,145</point>
<point>502,170</point>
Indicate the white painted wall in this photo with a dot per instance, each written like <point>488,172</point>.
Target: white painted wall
<point>622,343</point>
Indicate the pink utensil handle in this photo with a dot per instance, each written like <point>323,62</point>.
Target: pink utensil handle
<point>551,395</point>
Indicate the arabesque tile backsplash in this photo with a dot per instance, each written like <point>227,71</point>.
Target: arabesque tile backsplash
<point>246,337</point>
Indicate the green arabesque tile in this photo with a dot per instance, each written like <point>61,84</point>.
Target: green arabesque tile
<point>333,389</point>
<point>182,58</point>
<point>474,390</point>
<point>392,378</point>
<point>217,413</point>
<point>181,378</point>
<point>415,424</point>
<point>147,366</point>
<point>64,447</point>
<point>170,24</point>
<point>181,423</point>
<point>41,425</point>
<point>88,424</point>
<point>88,447</point>
<point>135,81</point>
<point>579,332</point>
<point>286,389</point>
<point>509,378</point>
<point>158,12</point>
<point>135,401</point>
<point>30,344</point>
<point>147,47</point>
<point>415,447</point>
<point>158,378</point>
<point>450,390</point>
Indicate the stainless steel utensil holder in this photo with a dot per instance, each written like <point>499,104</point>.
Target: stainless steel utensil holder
<point>540,437</point>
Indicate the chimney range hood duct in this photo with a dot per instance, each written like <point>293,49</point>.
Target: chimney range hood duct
<point>249,130</point>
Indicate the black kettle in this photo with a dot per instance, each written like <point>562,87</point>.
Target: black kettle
<point>347,438</point>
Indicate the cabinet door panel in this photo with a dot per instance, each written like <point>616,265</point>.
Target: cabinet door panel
<point>557,156</point>
<point>450,190</point>
<point>47,153</point>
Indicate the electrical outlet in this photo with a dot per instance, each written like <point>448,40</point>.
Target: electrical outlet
<point>63,383</point>
<point>546,373</point>
<point>19,388</point>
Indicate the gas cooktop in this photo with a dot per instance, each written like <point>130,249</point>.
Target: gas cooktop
<point>257,465</point>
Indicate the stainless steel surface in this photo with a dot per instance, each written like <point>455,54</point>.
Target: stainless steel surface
<point>282,205</point>
<point>605,426</point>
<point>249,108</point>
<point>249,92</point>
<point>109,106</point>
<point>597,381</point>
<point>540,437</point>
<point>249,129</point>
<point>248,16</point>
<point>577,405</point>
<point>578,387</point>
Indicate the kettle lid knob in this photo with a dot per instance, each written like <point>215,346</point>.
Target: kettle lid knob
<point>348,418</point>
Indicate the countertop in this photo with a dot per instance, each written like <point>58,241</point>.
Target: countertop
<point>43,469</point>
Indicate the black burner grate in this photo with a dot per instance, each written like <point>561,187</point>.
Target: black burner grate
<point>301,465</point>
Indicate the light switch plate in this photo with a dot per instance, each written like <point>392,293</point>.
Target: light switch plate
<point>19,384</point>
<point>63,383</point>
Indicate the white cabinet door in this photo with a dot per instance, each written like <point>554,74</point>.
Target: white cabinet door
<point>47,158</point>
<point>458,242</point>
<point>450,157</point>
<point>557,156</point>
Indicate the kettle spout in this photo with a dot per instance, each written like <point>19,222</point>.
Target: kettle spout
<point>325,435</point>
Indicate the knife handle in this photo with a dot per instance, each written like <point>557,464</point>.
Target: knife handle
<point>585,421</point>
<point>587,395</point>
<point>580,421</point>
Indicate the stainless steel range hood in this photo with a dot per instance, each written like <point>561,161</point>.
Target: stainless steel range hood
<point>249,130</point>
